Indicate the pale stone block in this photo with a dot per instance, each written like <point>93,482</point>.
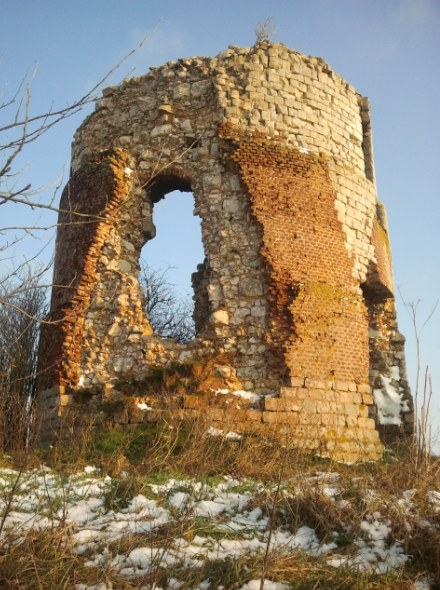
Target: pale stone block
<point>65,400</point>
<point>182,90</point>
<point>289,392</point>
<point>351,420</point>
<point>322,407</point>
<point>364,388</point>
<point>351,409</point>
<point>114,330</point>
<point>163,130</point>
<point>124,266</point>
<point>220,316</point>
<point>363,411</point>
<point>280,418</point>
<point>329,419</point>
<point>366,423</point>
<point>317,394</point>
<point>308,418</point>
<point>212,181</point>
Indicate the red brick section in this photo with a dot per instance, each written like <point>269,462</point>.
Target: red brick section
<point>99,191</point>
<point>318,321</point>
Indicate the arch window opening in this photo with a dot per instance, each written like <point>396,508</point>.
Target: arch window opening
<point>167,262</point>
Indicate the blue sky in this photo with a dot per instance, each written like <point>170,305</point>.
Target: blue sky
<point>388,49</point>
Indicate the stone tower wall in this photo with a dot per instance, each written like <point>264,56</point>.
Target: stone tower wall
<point>295,295</point>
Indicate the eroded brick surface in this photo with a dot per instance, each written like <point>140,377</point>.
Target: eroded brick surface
<point>295,295</point>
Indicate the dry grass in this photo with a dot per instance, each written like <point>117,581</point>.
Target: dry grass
<point>154,452</point>
<point>42,562</point>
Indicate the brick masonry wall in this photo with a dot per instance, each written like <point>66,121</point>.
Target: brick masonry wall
<point>296,287</point>
<point>317,318</point>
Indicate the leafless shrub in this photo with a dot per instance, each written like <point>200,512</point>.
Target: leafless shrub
<point>265,30</point>
<point>22,306</point>
<point>170,316</point>
<point>422,448</point>
<point>21,127</point>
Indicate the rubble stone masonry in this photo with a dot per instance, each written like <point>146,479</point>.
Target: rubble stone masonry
<point>294,299</point>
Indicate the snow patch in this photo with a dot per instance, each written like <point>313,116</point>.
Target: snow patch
<point>389,402</point>
<point>423,583</point>
<point>375,553</point>
<point>248,395</point>
<point>267,585</point>
<point>180,500</point>
<point>144,407</point>
<point>92,527</point>
<point>395,373</point>
<point>218,432</point>
<point>434,497</point>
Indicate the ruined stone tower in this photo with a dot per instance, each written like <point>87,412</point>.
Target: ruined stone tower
<point>295,295</point>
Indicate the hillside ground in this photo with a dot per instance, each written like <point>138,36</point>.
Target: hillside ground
<point>181,506</point>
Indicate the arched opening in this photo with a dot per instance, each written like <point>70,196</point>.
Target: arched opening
<point>170,256</point>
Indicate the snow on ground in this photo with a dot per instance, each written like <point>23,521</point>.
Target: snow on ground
<point>236,512</point>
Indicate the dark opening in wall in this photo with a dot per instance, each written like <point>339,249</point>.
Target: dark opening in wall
<point>169,258</point>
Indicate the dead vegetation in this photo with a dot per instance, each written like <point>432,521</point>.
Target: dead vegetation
<point>291,489</point>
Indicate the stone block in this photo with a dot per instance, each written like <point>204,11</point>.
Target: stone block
<point>288,391</point>
<point>135,415</point>
<point>275,404</point>
<point>296,382</point>
<point>366,423</point>
<point>328,420</point>
<point>364,388</point>
<point>237,415</point>
<point>151,416</point>
<point>280,418</point>
<point>308,418</point>
<point>65,400</point>
<point>367,399</point>
<point>121,416</point>
<point>220,316</point>
<point>363,411</point>
<point>351,409</point>
<point>317,394</point>
<point>322,407</point>
<point>215,414</point>
<point>342,385</point>
<point>194,402</point>
<point>351,420</point>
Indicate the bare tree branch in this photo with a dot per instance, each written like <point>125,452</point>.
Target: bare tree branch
<point>170,315</point>
<point>27,128</point>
